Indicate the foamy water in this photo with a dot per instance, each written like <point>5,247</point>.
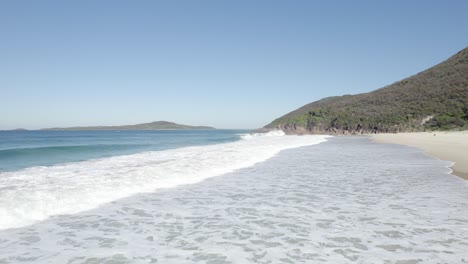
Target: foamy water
<point>343,201</point>
<point>36,193</point>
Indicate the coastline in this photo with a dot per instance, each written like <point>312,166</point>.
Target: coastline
<point>445,145</point>
<point>370,207</point>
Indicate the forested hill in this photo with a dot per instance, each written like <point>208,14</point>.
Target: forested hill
<point>158,125</point>
<point>435,99</point>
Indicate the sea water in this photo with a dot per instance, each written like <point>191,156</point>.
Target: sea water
<point>23,149</point>
<point>35,193</point>
<point>275,199</point>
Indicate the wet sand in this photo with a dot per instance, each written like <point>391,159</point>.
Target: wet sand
<point>452,146</point>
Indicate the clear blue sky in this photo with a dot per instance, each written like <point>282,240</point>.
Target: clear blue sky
<point>228,64</point>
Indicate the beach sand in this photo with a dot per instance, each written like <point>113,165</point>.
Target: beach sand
<point>452,146</point>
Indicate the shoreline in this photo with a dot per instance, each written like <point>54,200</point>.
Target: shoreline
<point>444,145</point>
<point>386,196</point>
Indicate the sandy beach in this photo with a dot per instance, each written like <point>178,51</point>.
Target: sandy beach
<point>452,146</point>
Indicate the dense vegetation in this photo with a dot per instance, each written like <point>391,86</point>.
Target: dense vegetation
<point>147,126</point>
<point>435,99</point>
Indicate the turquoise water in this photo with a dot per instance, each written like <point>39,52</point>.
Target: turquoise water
<point>23,149</point>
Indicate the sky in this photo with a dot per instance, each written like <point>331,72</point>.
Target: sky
<point>227,64</point>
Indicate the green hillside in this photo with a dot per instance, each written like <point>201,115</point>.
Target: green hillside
<point>158,125</point>
<point>435,99</point>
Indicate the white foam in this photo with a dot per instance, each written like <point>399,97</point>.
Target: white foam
<point>36,193</point>
<point>346,201</point>
<point>272,133</point>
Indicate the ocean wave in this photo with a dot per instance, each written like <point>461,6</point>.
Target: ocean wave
<point>272,133</point>
<point>37,193</point>
<point>63,149</point>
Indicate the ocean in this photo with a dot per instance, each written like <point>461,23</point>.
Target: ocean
<point>47,173</point>
<point>23,149</point>
<point>230,197</point>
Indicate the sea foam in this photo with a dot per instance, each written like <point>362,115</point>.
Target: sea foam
<point>344,201</point>
<point>37,193</point>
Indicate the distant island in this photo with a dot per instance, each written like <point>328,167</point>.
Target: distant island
<point>435,99</point>
<point>158,125</point>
